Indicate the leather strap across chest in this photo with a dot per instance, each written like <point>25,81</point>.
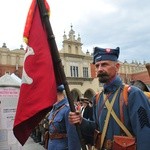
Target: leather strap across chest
<point>109,107</point>
<point>53,116</point>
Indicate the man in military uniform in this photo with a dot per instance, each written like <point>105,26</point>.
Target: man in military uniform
<point>62,135</point>
<point>118,123</point>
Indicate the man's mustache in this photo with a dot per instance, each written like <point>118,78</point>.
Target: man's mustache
<point>102,74</point>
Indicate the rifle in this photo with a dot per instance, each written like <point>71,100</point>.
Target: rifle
<point>148,68</point>
<point>58,67</point>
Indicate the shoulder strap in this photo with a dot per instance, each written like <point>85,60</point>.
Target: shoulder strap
<point>95,102</point>
<point>97,96</point>
<point>147,94</point>
<point>109,106</point>
<point>125,93</point>
<point>123,99</point>
<point>53,116</point>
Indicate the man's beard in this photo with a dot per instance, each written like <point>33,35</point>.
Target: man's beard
<point>103,77</point>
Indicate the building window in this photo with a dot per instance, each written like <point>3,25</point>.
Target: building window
<point>74,71</point>
<point>85,72</point>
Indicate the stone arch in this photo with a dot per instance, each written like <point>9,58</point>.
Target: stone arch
<point>75,93</point>
<point>89,93</point>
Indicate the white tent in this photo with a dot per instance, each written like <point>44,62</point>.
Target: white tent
<point>10,80</point>
<point>16,78</point>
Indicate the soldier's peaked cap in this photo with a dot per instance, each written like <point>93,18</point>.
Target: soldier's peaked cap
<point>101,54</point>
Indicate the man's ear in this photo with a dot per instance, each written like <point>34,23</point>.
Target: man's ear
<point>117,66</point>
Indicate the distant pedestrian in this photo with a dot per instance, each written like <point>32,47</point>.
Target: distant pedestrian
<point>87,110</point>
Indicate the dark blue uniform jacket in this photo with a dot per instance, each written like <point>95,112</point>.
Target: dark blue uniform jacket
<point>136,115</point>
<point>61,125</point>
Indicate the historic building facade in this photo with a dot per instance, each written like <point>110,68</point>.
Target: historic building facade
<point>11,61</point>
<point>78,67</point>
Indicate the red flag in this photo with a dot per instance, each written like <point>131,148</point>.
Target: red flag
<point>38,89</point>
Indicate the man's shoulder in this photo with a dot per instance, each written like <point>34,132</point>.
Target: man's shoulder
<point>134,93</point>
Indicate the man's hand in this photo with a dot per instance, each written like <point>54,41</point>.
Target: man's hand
<point>75,117</point>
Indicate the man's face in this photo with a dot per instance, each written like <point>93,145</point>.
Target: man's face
<point>106,70</point>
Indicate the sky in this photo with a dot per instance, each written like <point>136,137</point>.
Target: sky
<point>102,23</point>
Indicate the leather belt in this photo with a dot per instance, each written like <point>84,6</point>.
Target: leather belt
<point>57,135</point>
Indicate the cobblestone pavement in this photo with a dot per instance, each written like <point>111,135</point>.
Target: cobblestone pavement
<point>31,145</point>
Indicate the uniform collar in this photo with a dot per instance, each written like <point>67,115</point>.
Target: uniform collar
<point>113,85</point>
<point>59,104</point>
